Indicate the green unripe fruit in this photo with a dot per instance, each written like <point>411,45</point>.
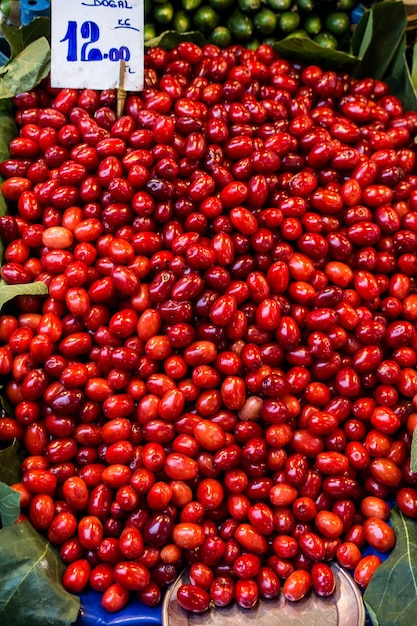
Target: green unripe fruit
<point>163,13</point>
<point>337,23</point>
<point>265,22</point>
<point>205,18</point>
<point>279,5</point>
<point>254,44</point>
<point>190,5</point>
<point>220,36</point>
<point>346,5</point>
<point>240,26</point>
<point>289,21</point>
<point>149,32</point>
<point>312,24</point>
<point>181,22</point>
<point>306,6</point>
<point>5,7</point>
<point>326,40</point>
<point>249,6</point>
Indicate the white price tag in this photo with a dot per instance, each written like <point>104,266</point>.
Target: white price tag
<point>91,40</point>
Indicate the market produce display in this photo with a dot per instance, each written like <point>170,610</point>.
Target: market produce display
<point>222,373</point>
<point>255,21</point>
<point>327,22</point>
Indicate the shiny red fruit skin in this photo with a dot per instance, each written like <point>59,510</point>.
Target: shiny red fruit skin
<point>114,598</point>
<point>131,575</point>
<point>193,598</point>
<point>297,585</point>
<point>322,579</point>
<point>76,576</point>
<point>365,569</point>
<point>222,373</point>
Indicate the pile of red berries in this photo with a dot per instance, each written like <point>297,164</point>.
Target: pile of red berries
<point>223,371</point>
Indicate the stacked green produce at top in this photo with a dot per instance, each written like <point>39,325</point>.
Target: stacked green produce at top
<point>223,22</point>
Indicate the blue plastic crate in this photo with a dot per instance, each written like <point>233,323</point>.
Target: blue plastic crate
<point>30,9</point>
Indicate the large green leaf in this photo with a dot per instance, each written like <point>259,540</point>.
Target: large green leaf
<point>399,79</point>
<point>9,474</point>
<point>305,49</point>
<point>362,35</point>
<point>170,39</point>
<point>391,596</point>
<point>414,67</point>
<point>10,459</point>
<point>9,505</point>
<point>19,38</point>
<point>7,132</point>
<point>388,24</point>
<point>26,70</point>
<point>8,292</point>
<point>31,592</point>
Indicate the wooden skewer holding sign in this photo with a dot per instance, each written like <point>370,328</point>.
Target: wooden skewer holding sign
<point>121,92</point>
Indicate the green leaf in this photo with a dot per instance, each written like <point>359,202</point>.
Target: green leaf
<point>9,505</point>
<point>362,35</point>
<point>26,70</point>
<point>413,454</point>
<point>31,592</point>
<point>414,66</point>
<point>19,38</point>
<point>391,596</point>
<point>7,105</point>
<point>10,459</point>
<point>398,78</point>
<point>9,473</point>
<point>7,292</point>
<point>7,133</point>
<point>170,39</point>
<point>5,406</point>
<point>305,49</point>
<point>388,21</point>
